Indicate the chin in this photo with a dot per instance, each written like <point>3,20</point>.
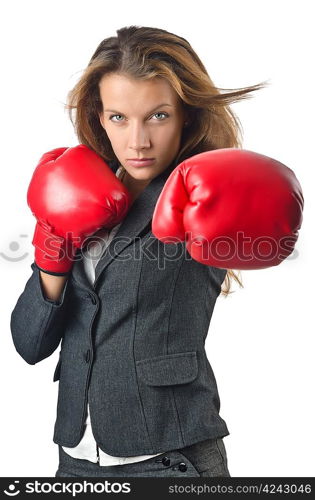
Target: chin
<point>143,175</point>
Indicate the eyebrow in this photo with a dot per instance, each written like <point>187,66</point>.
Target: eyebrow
<point>159,106</point>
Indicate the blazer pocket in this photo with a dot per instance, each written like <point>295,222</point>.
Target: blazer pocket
<point>57,370</point>
<point>169,369</point>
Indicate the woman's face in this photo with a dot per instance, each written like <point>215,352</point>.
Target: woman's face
<point>142,119</point>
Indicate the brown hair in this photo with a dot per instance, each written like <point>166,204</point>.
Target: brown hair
<point>143,53</point>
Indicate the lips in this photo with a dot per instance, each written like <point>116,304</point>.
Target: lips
<point>145,162</point>
<point>140,159</point>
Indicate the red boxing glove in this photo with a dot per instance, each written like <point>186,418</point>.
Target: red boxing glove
<point>235,208</point>
<point>72,194</point>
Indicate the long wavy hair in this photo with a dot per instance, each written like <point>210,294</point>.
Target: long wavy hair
<point>142,52</point>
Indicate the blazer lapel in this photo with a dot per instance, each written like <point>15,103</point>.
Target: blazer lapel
<point>137,221</point>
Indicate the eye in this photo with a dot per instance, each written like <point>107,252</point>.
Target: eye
<point>113,116</point>
<point>161,113</point>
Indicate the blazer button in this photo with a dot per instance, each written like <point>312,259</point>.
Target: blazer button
<point>88,355</point>
<point>182,467</point>
<point>166,461</point>
<point>93,299</point>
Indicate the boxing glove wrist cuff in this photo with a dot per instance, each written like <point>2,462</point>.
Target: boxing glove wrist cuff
<point>51,272</point>
<point>53,254</point>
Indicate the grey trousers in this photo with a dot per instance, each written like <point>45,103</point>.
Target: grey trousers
<point>204,459</point>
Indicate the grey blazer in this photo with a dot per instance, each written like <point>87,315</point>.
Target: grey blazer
<point>132,344</point>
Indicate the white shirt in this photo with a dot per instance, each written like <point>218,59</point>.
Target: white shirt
<point>88,449</point>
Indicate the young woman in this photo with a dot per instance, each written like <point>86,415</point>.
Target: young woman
<point>137,395</point>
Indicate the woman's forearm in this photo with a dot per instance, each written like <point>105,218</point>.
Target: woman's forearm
<point>53,285</point>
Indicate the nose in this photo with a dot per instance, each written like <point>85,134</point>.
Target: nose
<point>139,137</point>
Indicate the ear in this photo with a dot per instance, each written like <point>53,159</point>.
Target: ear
<point>186,118</point>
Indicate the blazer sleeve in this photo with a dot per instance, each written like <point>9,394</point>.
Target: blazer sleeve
<point>36,321</point>
<point>217,276</point>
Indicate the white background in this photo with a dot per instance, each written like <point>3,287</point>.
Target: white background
<point>261,338</point>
